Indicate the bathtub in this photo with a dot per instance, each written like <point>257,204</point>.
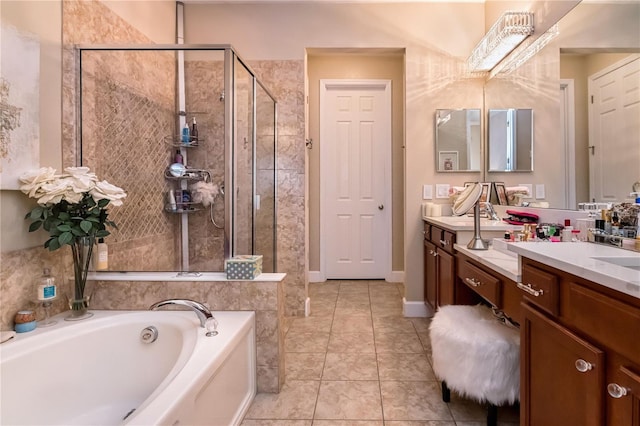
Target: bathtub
<point>100,372</point>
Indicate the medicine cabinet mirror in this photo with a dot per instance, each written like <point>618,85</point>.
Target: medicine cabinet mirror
<point>458,136</point>
<point>510,140</point>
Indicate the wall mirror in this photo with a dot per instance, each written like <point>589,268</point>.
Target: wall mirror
<point>510,137</point>
<point>458,138</point>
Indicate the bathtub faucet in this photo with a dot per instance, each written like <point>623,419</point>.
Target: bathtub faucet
<point>207,320</point>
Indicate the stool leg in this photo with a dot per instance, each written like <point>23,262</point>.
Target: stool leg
<point>492,415</point>
<point>446,393</point>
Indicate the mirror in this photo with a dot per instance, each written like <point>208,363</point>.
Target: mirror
<point>510,137</point>
<point>458,136</point>
<point>563,168</point>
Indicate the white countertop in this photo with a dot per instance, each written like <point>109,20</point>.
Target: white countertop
<point>465,223</point>
<point>500,262</point>
<point>577,258</point>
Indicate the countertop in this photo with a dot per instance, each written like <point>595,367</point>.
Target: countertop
<point>580,259</point>
<point>503,263</point>
<point>465,223</point>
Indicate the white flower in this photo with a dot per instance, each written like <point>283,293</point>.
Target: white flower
<point>34,179</point>
<point>83,180</point>
<point>103,190</point>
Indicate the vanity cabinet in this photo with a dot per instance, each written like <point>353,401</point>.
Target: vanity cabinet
<point>439,266</point>
<point>580,351</point>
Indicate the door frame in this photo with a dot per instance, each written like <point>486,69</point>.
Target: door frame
<point>357,84</point>
<point>568,129</point>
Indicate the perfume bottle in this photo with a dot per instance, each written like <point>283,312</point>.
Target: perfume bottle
<point>47,292</point>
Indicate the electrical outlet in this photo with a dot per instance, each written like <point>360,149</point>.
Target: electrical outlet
<point>427,192</point>
<point>540,191</point>
<point>442,190</point>
<point>529,189</point>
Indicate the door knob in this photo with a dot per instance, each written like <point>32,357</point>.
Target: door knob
<point>381,206</point>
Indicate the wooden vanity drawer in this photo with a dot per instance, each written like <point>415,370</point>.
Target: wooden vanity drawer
<point>610,322</point>
<point>541,288</point>
<point>481,282</point>
<point>446,241</point>
<point>427,231</point>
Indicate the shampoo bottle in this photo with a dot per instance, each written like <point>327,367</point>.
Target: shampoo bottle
<point>178,158</point>
<point>102,255</point>
<point>185,134</point>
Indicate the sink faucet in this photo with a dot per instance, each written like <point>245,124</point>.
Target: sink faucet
<point>490,210</point>
<point>207,320</point>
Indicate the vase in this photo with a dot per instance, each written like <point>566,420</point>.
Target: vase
<point>80,291</point>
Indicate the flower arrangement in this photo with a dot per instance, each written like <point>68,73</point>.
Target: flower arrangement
<point>72,208</point>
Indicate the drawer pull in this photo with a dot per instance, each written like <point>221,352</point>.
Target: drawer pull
<point>472,282</point>
<point>444,242</point>
<point>616,391</point>
<point>529,289</point>
<point>583,366</point>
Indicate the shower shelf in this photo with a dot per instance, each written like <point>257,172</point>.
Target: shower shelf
<point>192,175</point>
<point>176,142</point>
<point>191,208</point>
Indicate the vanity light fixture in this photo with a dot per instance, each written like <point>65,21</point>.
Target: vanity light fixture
<point>504,36</point>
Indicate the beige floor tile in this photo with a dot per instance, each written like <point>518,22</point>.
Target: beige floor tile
<point>306,342</point>
<point>296,400</point>
<point>354,286</point>
<point>353,304</point>
<point>349,400</point>
<point>408,367</point>
<point>425,340</point>
<point>467,410</point>
<point>386,311</point>
<point>351,342</point>
<point>353,310</point>
<point>421,324</point>
<point>304,366</point>
<point>279,422</point>
<point>398,342</point>
<point>427,423</point>
<point>320,324</point>
<point>352,324</point>
<point>349,366</point>
<point>413,401</point>
<point>348,423</point>
<point>393,324</point>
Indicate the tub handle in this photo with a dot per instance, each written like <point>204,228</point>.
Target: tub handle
<point>149,334</point>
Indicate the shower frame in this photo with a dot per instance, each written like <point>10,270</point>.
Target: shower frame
<point>230,57</point>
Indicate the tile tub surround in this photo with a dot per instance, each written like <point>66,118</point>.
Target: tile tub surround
<point>266,298</point>
<point>343,368</point>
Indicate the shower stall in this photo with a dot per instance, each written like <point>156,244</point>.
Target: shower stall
<point>194,198</point>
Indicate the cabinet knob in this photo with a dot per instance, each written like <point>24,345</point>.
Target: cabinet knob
<point>616,391</point>
<point>583,366</point>
<point>444,242</point>
<point>433,253</point>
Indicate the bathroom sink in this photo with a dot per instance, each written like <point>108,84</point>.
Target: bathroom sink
<point>627,262</point>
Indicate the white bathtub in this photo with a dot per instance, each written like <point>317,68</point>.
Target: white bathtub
<point>99,372</point>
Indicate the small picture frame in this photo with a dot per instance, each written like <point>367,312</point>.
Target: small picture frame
<point>501,192</point>
<point>448,161</point>
<point>486,192</point>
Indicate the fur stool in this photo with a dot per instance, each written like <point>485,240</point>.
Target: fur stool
<point>477,355</point>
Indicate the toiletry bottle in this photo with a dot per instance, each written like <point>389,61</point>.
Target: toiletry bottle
<point>172,200</point>
<point>186,139</point>
<point>194,132</point>
<point>615,223</point>
<point>178,158</point>
<point>102,255</point>
<point>47,286</point>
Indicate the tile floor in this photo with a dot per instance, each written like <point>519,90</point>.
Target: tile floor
<point>356,361</point>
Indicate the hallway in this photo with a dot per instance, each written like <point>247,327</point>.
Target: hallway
<point>356,361</point>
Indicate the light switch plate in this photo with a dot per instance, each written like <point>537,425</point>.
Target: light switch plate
<point>427,192</point>
<point>540,191</point>
<point>442,190</point>
<point>529,189</point>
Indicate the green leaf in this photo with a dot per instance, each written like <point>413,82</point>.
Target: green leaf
<point>93,219</point>
<point>64,228</point>
<point>86,225</point>
<point>35,225</point>
<point>78,232</point>
<point>64,216</point>
<point>103,203</point>
<point>65,238</point>
<point>36,213</point>
<point>53,244</point>
<point>103,233</point>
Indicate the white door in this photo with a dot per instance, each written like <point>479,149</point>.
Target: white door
<point>614,131</point>
<point>355,178</point>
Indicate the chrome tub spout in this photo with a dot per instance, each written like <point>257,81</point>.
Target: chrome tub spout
<point>207,320</point>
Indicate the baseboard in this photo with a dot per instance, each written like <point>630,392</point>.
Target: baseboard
<point>416,309</point>
<point>396,277</point>
<point>307,307</point>
<point>316,277</point>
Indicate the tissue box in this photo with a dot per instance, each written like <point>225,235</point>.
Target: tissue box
<point>245,267</point>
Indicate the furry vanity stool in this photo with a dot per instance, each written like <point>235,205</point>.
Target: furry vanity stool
<point>477,355</point>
